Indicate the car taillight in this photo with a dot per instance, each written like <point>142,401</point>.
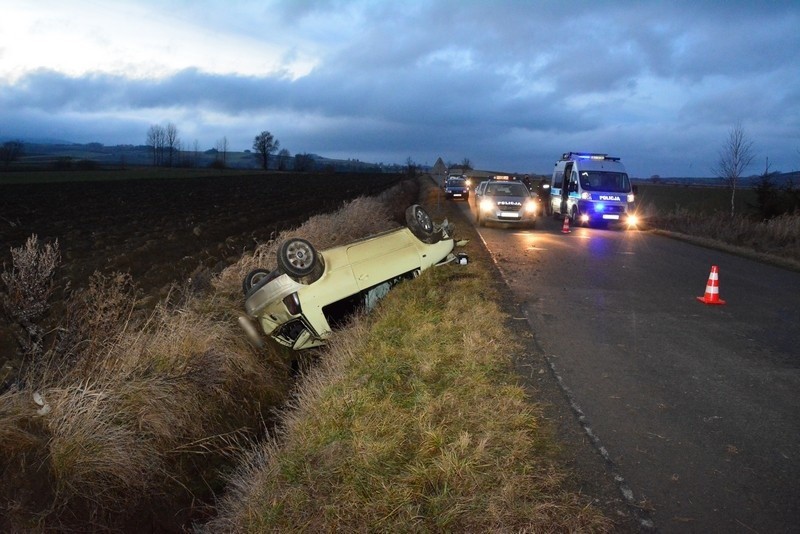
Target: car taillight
<point>292,303</point>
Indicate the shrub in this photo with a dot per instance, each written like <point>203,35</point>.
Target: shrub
<point>29,286</point>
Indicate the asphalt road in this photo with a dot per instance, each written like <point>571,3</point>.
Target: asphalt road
<point>696,407</point>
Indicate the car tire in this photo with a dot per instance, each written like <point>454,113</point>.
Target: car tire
<point>421,225</point>
<point>576,216</point>
<point>300,260</point>
<point>253,277</point>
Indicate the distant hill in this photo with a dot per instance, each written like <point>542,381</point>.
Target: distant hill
<point>40,154</point>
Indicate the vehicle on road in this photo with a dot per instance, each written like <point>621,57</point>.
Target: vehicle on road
<point>311,291</point>
<point>456,188</point>
<point>505,200</point>
<point>592,189</point>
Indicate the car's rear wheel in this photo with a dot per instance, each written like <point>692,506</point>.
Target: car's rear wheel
<point>299,259</point>
<point>421,225</point>
<point>253,278</point>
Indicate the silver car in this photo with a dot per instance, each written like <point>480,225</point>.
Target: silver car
<point>505,201</point>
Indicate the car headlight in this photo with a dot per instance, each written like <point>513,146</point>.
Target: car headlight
<point>487,205</point>
<point>633,220</point>
<point>530,206</point>
<point>630,197</point>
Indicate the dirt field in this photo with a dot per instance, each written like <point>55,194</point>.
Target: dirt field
<point>162,230</point>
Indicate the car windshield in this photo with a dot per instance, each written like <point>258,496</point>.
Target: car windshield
<point>611,182</point>
<point>457,183</point>
<point>508,189</point>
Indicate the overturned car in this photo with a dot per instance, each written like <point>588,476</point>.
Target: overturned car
<point>312,291</point>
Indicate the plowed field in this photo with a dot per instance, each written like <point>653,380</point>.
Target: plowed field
<point>161,230</point>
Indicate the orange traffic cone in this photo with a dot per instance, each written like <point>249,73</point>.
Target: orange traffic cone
<point>712,288</point>
<point>565,226</point>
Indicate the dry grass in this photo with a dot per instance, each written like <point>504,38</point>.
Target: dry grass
<point>702,214</point>
<point>412,421</point>
<point>128,415</point>
<point>778,238</point>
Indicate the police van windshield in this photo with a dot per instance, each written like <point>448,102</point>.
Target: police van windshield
<point>611,182</point>
<point>507,189</point>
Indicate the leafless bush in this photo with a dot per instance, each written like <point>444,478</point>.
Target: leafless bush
<point>94,319</point>
<point>29,285</point>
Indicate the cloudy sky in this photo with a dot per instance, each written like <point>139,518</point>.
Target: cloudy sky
<point>510,85</point>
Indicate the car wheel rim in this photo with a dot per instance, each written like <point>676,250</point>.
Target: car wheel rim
<point>299,256</point>
<point>424,220</point>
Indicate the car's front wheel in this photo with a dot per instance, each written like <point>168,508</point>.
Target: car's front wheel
<point>253,278</point>
<point>300,260</point>
<point>421,225</point>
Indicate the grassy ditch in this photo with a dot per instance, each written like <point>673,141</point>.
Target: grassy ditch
<point>123,419</point>
<point>412,420</point>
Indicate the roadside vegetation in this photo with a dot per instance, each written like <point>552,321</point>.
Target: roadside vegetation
<point>766,223</point>
<point>132,419</point>
<point>412,421</point>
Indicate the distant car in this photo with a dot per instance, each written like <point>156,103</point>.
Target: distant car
<point>505,201</point>
<point>456,188</point>
<point>310,292</point>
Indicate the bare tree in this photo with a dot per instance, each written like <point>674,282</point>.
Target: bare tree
<point>466,164</point>
<point>222,151</point>
<point>735,156</point>
<point>171,142</point>
<point>155,140</point>
<point>265,144</point>
<point>283,158</point>
<point>303,162</point>
<point>195,152</point>
<point>411,167</point>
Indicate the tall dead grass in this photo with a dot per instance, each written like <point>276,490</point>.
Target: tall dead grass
<point>130,418</point>
<point>411,422</point>
<point>778,237</point>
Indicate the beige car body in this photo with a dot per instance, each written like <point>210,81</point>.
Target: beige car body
<point>293,314</point>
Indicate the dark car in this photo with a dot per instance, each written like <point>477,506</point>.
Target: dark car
<point>456,188</point>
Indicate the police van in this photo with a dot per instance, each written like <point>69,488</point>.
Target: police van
<point>592,189</point>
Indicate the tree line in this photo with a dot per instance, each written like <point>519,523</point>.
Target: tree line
<point>167,150</point>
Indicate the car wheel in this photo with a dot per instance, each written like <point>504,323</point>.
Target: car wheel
<point>576,216</point>
<point>421,225</point>
<point>299,259</point>
<point>253,277</point>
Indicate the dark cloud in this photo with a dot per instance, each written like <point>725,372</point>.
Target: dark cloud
<point>507,84</point>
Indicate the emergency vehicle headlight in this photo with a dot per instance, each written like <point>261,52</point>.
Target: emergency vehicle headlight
<point>630,197</point>
<point>487,205</point>
<point>530,206</point>
<point>633,220</point>
<point>585,196</point>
